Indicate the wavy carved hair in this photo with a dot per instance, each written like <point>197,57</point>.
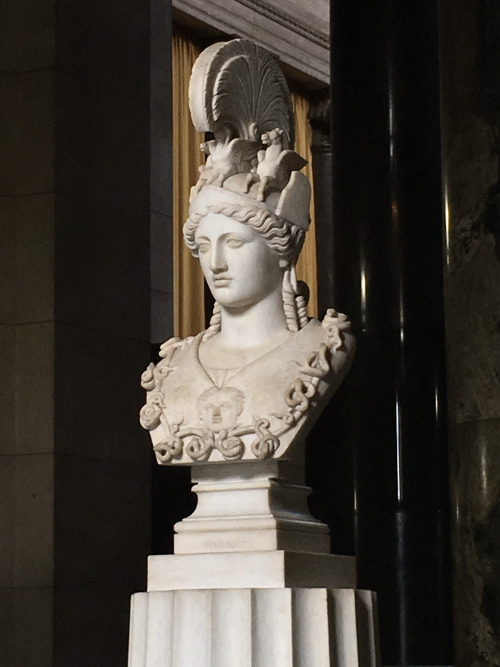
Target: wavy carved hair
<point>284,239</point>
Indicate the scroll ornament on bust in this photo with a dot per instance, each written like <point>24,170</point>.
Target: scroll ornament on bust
<point>254,382</point>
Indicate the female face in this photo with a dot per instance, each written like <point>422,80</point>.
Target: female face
<point>239,266</point>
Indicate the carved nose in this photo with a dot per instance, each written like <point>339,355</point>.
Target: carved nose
<point>217,260</point>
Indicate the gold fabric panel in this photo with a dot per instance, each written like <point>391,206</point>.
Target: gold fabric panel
<point>306,266</point>
<point>189,306</point>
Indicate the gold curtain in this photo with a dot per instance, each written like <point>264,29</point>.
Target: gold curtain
<point>306,266</point>
<point>189,306</point>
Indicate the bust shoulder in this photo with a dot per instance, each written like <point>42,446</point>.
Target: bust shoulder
<point>253,411</point>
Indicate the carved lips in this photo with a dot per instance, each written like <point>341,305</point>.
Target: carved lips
<point>221,281</point>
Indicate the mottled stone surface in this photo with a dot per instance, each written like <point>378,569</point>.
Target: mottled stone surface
<point>476,501</point>
<point>471,124</point>
<point>473,328</point>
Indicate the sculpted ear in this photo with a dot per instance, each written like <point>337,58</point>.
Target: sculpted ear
<point>284,264</point>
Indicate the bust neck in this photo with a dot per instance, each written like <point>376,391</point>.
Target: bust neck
<point>253,326</point>
<point>246,333</point>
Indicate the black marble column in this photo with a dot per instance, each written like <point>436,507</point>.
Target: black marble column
<point>387,213</point>
<point>329,451</point>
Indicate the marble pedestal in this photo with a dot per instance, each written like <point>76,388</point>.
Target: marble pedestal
<point>253,627</point>
<point>251,583</point>
<point>254,609</point>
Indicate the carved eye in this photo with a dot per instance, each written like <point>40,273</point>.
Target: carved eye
<point>234,243</point>
<point>203,248</point>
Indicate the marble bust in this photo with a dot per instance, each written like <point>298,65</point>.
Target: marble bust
<point>251,579</point>
<point>252,384</point>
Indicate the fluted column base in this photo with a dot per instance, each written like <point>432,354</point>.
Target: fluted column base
<point>258,627</point>
<point>273,627</point>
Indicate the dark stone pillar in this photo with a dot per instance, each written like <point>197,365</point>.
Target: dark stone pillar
<point>161,178</point>
<point>387,213</point>
<point>110,196</point>
<point>329,451</point>
<point>76,207</point>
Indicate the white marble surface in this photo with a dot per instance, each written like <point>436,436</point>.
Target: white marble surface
<point>254,506</point>
<point>251,582</point>
<point>254,628</point>
<point>250,569</point>
<point>251,386</point>
<point>201,411</point>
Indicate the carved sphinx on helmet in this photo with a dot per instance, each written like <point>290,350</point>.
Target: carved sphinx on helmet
<point>252,384</point>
